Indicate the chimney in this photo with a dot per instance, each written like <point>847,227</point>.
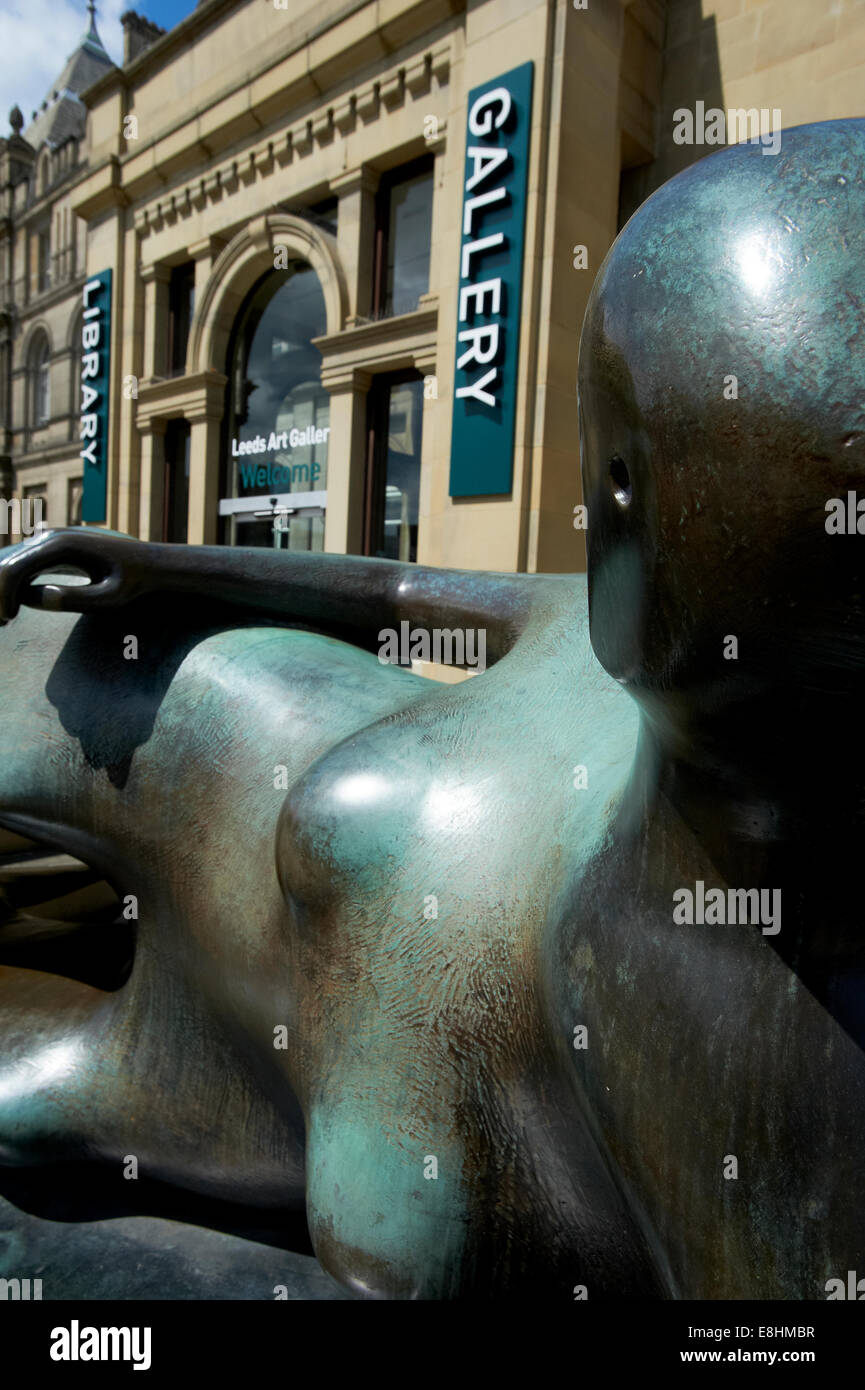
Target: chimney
<point>138,34</point>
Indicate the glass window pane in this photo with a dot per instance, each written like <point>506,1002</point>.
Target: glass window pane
<point>398,540</point>
<point>408,243</point>
<point>74,494</point>
<point>42,387</point>
<point>289,533</point>
<point>279,414</point>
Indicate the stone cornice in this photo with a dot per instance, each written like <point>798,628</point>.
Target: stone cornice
<point>156,271</point>
<point>200,396</point>
<point>208,248</point>
<point>44,203</point>
<point>384,345</point>
<point>362,177</point>
<point>54,452</point>
<point>47,299</point>
<point>100,190</point>
<point>413,80</point>
<point>153,57</point>
<point>415,17</point>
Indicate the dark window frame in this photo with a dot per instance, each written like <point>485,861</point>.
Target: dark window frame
<point>181,308</point>
<point>377,433</point>
<point>176,451</point>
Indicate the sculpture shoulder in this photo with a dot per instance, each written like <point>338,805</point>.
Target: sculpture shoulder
<point>531,751</point>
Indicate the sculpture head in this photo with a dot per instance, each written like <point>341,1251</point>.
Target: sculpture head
<point>722,406</point>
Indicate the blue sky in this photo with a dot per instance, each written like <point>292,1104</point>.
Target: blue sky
<point>39,35</point>
<point>166,13</point>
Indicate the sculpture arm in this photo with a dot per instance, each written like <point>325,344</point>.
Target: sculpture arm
<point>349,596</point>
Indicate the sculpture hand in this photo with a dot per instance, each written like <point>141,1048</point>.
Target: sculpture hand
<point>104,559</point>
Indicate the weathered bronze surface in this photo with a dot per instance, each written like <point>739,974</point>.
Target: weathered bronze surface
<point>309,905</point>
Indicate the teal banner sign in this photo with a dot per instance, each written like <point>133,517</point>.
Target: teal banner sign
<point>490,285</point>
<point>95,374</point>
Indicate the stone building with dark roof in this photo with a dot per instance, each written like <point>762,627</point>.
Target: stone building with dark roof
<point>42,271</point>
<point>63,115</point>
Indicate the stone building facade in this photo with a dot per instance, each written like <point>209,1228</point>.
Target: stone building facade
<point>42,254</point>
<point>314,154</point>
<point>42,271</point>
<point>283,192</point>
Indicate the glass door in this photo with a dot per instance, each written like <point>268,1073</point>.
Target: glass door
<point>279,528</point>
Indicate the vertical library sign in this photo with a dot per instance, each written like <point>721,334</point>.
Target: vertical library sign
<point>490,284</point>
<point>95,372</point>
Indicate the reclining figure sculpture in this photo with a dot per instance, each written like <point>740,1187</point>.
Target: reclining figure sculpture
<point>542,1035</point>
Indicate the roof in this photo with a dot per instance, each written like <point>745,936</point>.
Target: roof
<point>65,114</point>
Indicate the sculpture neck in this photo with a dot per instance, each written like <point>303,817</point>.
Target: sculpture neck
<point>761,801</point>
<point>763,781</point>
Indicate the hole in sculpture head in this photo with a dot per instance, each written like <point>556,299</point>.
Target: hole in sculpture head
<point>621,480</point>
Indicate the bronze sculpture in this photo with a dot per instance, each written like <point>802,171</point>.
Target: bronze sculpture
<point>382,922</point>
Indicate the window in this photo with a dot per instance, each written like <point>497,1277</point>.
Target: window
<point>40,373</point>
<point>181,306</point>
<point>5,361</point>
<point>74,494</point>
<point>393,467</point>
<point>175,520</point>
<point>277,420</point>
<point>403,237</point>
<point>76,368</point>
<point>44,254</point>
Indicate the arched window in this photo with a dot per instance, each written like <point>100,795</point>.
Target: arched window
<point>278,416</point>
<point>40,375</point>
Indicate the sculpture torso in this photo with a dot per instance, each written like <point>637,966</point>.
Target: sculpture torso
<point>432,908</point>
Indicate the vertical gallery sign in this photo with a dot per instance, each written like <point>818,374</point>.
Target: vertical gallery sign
<point>490,284</point>
<point>95,373</point>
